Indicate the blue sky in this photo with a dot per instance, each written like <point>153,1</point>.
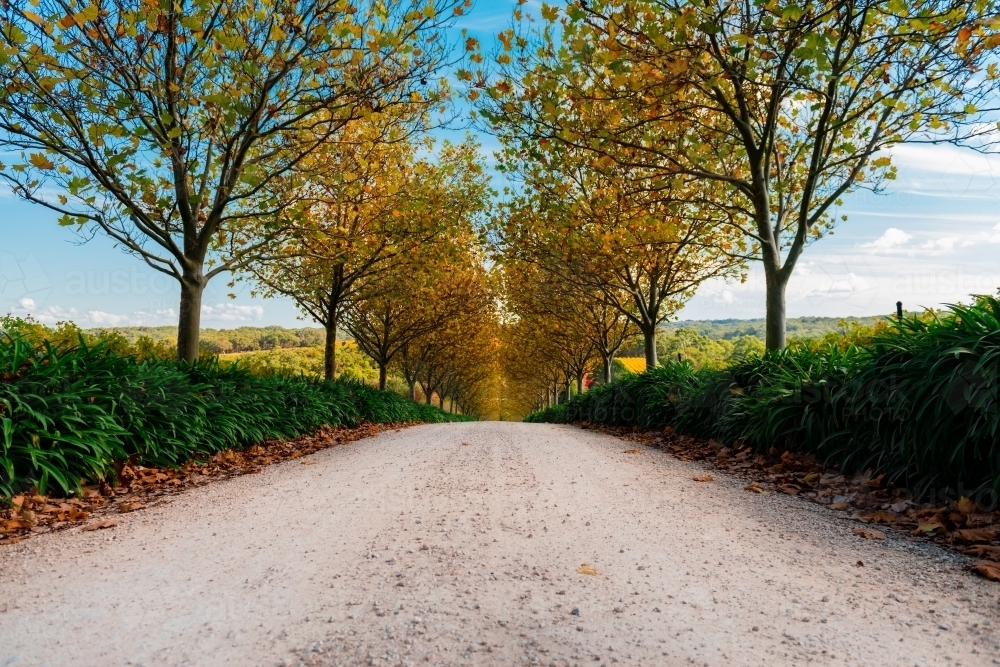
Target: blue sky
<point>933,238</point>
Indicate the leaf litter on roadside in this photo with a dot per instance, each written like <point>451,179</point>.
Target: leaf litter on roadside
<point>872,499</point>
<point>135,486</point>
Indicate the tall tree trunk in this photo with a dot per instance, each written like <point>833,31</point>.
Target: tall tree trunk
<point>383,374</point>
<point>607,368</point>
<point>774,327</point>
<point>649,345</point>
<point>189,322</point>
<point>330,350</point>
<point>413,390</point>
<point>579,382</point>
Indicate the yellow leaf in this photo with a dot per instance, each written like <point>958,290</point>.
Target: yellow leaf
<point>40,161</point>
<point>587,570</point>
<point>66,22</point>
<point>33,17</point>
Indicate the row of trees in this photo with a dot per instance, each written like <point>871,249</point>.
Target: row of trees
<point>655,144</point>
<point>284,143</point>
<point>188,131</point>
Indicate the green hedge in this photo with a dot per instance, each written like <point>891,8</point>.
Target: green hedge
<point>68,413</point>
<point>919,403</point>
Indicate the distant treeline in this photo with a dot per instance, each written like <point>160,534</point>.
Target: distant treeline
<point>222,341</point>
<point>797,327</point>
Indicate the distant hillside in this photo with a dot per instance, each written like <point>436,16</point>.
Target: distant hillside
<point>797,327</point>
<point>242,339</point>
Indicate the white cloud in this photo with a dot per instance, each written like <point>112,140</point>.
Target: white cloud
<point>230,312</point>
<point>101,318</point>
<point>945,160</point>
<point>943,244</point>
<point>891,238</point>
<point>221,312</point>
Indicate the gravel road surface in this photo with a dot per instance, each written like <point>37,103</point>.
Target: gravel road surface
<point>488,544</point>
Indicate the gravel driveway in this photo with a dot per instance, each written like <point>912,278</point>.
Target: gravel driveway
<point>465,544</point>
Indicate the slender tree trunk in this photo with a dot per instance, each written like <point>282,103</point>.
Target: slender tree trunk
<point>579,382</point>
<point>569,389</point>
<point>330,351</point>
<point>413,390</point>
<point>189,322</point>
<point>607,368</point>
<point>649,345</point>
<point>774,326</point>
<point>383,374</point>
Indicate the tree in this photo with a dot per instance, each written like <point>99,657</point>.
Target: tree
<point>432,284</point>
<point>644,246</point>
<point>369,202</point>
<point>163,125</point>
<point>582,320</point>
<point>787,106</point>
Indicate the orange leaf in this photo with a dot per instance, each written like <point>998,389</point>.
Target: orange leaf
<point>704,478</point>
<point>966,506</point>
<point>587,569</point>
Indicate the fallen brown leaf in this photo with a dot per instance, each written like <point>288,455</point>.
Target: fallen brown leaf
<point>988,569</point>
<point>98,525</point>
<point>631,451</point>
<point>966,506</point>
<point>125,508</point>
<point>703,478</point>
<point>973,535</point>
<point>838,506</point>
<point>869,534</point>
<point>308,463</point>
<point>929,528</point>
<point>983,551</point>
<point>790,489</point>
<point>755,487</point>
<point>586,569</point>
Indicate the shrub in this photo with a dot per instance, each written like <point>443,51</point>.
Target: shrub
<point>917,400</point>
<point>68,412</point>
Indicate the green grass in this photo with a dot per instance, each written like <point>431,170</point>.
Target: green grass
<point>918,401</point>
<point>68,412</point>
